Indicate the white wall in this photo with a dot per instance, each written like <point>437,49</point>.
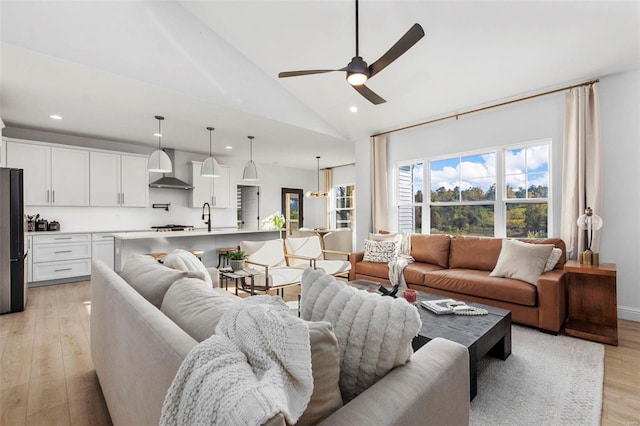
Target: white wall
<point>272,179</point>
<point>620,115</point>
<point>537,119</point>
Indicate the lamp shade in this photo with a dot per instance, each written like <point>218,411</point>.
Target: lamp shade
<point>589,221</point>
<point>159,162</point>
<point>250,172</point>
<point>210,168</point>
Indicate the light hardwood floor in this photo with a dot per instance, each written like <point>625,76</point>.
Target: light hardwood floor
<point>46,374</point>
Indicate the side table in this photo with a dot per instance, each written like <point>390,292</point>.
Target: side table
<point>591,293</point>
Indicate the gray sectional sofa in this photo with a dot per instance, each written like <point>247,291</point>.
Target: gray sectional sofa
<point>137,350</point>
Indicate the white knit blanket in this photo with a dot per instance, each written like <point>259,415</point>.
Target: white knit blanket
<point>374,333</point>
<point>397,264</point>
<point>258,364</point>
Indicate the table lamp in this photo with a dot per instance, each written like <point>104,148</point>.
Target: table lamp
<point>589,222</point>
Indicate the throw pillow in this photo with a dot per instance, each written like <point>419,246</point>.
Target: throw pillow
<point>383,237</point>
<point>553,259</point>
<point>522,261</point>
<point>374,333</point>
<point>183,260</point>
<point>325,368</point>
<point>379,251</point>
<point>151,279</point>
<point>196,308</point>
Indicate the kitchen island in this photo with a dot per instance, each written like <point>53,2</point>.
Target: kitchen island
<point>130,243</point>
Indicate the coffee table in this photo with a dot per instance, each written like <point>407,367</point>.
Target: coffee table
<point>481,334</point>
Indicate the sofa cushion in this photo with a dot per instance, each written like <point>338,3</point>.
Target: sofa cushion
<point>479,283</point>
<point>379,251</point>
<point>415,272</point>
<point>432,249</point>
<point>183,260</point>
<point>325,368</point>
<point>474,253</point>
<point>151,279</point>
<point>196,308</point>
<point>522,261</point>
<point>553,259</point>
<point>374,332</point>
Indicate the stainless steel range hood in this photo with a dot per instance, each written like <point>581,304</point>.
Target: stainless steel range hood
<point>169,180</point>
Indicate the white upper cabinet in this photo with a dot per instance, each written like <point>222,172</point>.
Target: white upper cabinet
<point>135,181</point>
<point>215,191</point>
<point>52,176</point>
<point>3,153</point>
<point>119,180</point>
<point>69,177</point>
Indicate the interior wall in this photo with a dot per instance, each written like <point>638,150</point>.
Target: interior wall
<point>537,119</point>
<point>620,115</point>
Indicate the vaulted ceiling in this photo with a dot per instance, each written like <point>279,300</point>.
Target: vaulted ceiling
<point>109,66</point>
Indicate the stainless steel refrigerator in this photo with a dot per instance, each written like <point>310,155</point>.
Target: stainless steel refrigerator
<point>13,253</point>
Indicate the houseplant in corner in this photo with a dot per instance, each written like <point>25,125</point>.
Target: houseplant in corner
<point>236,259</point>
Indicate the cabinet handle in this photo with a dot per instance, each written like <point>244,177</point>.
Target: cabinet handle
<point>63,269</point>
<point>53,196</point>
<point>214,200</point>
<point>62,251</point>
<point>63,238</point>
<point>47,196</point>
<point>123,198</point>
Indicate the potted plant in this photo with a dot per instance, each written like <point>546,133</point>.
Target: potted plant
<point>236,259</point>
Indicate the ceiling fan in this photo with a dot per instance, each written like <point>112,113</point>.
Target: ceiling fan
<point>357,70</point>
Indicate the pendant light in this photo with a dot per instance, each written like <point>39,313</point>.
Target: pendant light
<point>210,167</point>
<point>159,161</point>
<point>250,171</point>
<point>317,194</point>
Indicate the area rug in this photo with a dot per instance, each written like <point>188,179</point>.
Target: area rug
<point>547,380</point>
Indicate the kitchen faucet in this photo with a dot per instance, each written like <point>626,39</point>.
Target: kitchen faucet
<point>208,221</point>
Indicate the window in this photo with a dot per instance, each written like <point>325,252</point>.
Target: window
<point>500,192</point>
<point>410,197</point>
<point>344,206</point>
<point>527,191</point>
<point>463,193</point>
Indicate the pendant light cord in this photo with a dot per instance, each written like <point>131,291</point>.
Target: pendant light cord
<point>318,173</point>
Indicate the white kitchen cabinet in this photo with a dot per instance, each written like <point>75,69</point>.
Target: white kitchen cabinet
<point>102,248</point>
<point>3,153</point>
<point>52,176</point>
<point>118,180</point>
<point>215,191</point>
<point>60,256</point>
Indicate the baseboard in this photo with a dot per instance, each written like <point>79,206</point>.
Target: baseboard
<point>629,313</point>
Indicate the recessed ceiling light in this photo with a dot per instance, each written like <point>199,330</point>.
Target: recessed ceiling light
<point>353,109</point>
<point>55,117</point>
<point>157,135</point>
<point>228,147</point>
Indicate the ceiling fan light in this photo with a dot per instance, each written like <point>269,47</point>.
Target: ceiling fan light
<point>356,78</point>
<point>210,168</point>
<point>159,162</point>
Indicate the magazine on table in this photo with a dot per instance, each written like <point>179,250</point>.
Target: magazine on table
<point>445,306</point>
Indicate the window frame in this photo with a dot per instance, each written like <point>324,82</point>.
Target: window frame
<point>500,202</point>
<point>335,209</point>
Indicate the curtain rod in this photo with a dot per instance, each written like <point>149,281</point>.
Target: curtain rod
<point>513,101</point>
<point>335,167</point>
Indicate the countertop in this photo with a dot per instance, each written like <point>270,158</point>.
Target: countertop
<point>195,233</point>
<point>32,233</point>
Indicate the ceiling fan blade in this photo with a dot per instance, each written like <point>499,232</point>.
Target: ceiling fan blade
<point>405,43</point>
<point>307,72</point>
<point>369,94</point>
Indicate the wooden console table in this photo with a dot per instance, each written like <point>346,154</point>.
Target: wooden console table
<point>593,313</point>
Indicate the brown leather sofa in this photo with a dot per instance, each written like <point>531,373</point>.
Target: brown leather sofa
<point>459,267</point>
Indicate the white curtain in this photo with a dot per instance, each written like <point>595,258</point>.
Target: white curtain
<point>379,205</point>
<point>582,172</point>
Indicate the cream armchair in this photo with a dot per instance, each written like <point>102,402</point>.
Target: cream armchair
<point>305,252</point>
<point>268,259</point>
